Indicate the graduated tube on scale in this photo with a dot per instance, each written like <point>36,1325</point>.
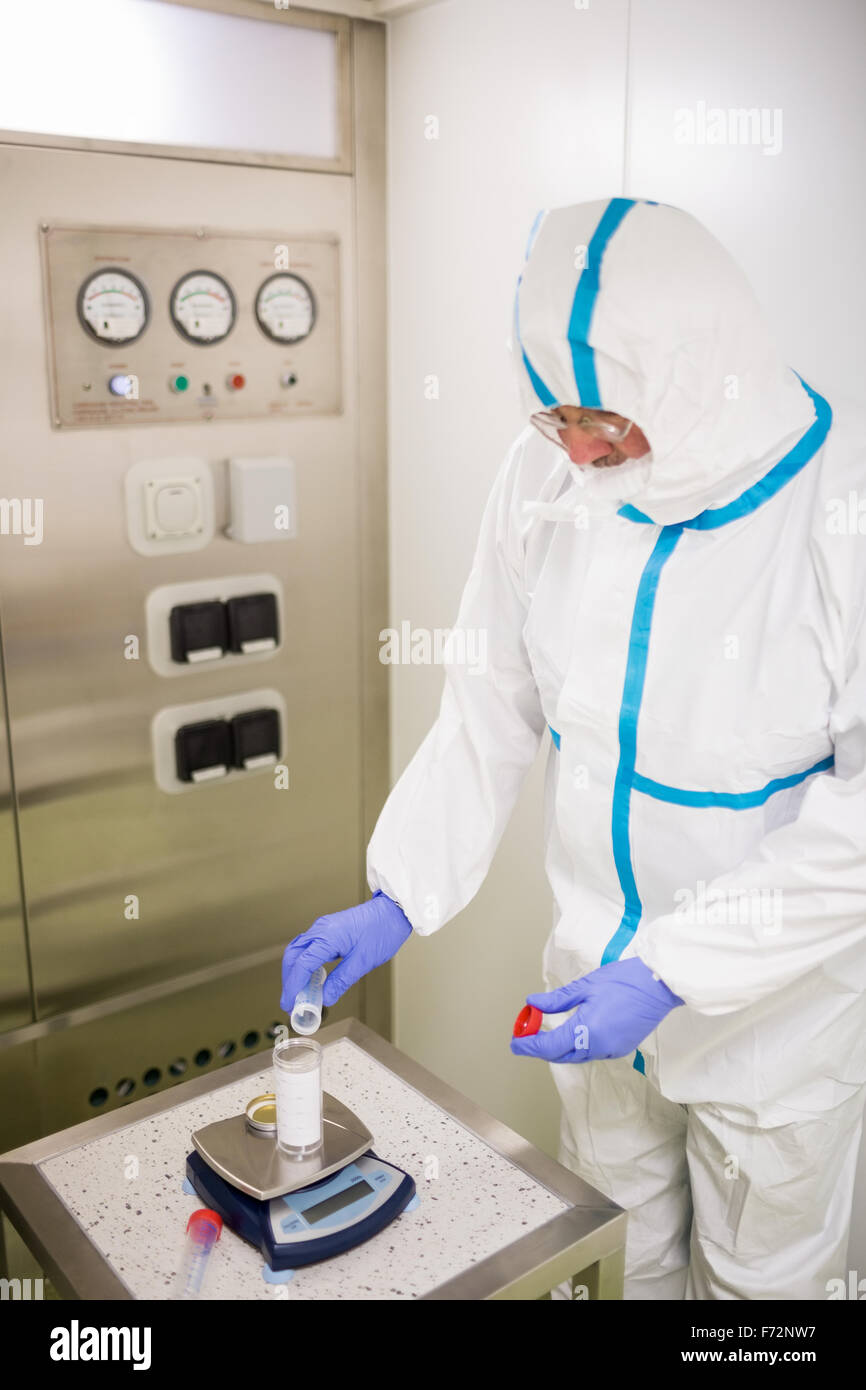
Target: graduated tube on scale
<point>298,1091</point>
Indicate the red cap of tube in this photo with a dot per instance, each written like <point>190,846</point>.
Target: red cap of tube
<point>204,1220</point>
<point>527,1022</point>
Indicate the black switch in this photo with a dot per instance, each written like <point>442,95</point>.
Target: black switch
<point>256,735</point>
<point>253,623</point>
<point>199,631</point>
<point>203,750</point>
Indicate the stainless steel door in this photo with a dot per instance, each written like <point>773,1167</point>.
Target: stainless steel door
<point>227,873</point>
<point>15,996</point>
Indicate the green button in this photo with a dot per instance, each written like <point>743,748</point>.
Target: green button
<point>180,383</point>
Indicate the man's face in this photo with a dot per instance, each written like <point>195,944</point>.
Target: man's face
<point>584,448</point>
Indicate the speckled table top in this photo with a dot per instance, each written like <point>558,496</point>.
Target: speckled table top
<point>126,1190</point>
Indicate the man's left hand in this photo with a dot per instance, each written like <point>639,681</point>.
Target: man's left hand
<point>618,1005</point>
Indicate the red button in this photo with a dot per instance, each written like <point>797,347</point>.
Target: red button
<point>237,382</point>
<point>527,1022</point>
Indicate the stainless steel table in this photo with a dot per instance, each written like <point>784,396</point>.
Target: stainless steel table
<point>102,1206</point>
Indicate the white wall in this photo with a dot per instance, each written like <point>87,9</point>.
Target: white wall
<point>516,131</point>
<point>796,220</point>
<point>531,101</point>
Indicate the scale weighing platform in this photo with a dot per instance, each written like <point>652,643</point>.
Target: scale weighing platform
<point>297,1211</point>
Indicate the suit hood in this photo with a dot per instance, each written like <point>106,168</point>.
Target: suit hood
<point>633,307</point>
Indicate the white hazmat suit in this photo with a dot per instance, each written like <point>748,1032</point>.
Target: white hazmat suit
<point>691,639</point>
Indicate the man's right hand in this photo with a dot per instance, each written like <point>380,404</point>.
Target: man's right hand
<point>360,937</point>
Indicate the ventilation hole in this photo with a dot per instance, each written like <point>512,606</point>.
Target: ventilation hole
<point>178,1066</point>
<point>202,1057</point>
<point>99,1096</point>
<point>125,1087</point>
<point>151,1076</point>
<point>226,1049</point>
<point>250,1039</point>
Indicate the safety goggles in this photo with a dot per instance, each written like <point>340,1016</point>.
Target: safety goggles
<point>550,424</point>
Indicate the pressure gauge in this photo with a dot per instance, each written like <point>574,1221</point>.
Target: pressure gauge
<point>285,308</point>
<point>203,307</point>
<point>113,307</point>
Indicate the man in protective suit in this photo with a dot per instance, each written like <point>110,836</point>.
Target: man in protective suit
<point>670,577</point>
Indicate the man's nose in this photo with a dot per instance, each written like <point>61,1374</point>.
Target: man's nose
<point>581,447</point>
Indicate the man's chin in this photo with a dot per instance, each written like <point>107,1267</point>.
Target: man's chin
<point>616,458</point>
<point>606,461</point>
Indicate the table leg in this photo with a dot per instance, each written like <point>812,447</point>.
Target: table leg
<point>604,1279</point>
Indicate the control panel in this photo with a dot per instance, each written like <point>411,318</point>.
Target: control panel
<point>152,326</point>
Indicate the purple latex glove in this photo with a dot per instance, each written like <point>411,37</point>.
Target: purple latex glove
<point>365,936</point>
<point>618,1006</point>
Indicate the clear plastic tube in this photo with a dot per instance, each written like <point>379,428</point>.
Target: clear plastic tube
<point>202,1233</point>
<point>307,1012</point>
<point>298,1091</point>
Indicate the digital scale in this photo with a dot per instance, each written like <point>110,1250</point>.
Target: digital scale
<point>297,1211</point>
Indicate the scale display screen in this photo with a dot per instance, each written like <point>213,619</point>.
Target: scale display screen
<point>336,1202</point>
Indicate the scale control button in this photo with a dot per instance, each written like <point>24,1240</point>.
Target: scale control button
<point>292,1223</point>
<point>178,383</point>
<point>236,381</point>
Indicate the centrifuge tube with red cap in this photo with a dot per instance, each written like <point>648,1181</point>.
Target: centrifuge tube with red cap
<point>202,1233</point>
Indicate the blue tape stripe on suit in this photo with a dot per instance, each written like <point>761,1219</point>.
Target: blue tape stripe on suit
<point>583,305</point>
<point>735,801</point>
<point>533,232</point>
<point>540,387</point>
<point>635,675</point>
<point>780,474</point>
